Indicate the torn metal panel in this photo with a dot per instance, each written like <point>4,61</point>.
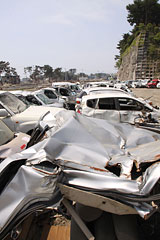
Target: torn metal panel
<point>28,187</point>
<point>99,182</point>
<point>87,152</point>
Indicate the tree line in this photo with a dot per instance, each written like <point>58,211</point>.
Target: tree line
<point>36,73</point>
<point>45,73</point>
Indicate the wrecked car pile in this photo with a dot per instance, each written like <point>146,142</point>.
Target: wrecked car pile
<point>111,166</point>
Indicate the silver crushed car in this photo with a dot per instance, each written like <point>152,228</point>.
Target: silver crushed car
<point>111,168</point>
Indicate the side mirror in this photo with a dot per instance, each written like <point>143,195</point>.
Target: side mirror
<point>4,113</point>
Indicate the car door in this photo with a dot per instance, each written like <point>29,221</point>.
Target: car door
<point>106,109</point>
<point>129,109</point>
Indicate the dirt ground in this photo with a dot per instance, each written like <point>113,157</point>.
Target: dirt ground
<point>152,94</point>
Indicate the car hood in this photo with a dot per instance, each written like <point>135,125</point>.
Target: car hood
<point>35,112</point>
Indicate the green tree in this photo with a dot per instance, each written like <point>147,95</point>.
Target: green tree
<point>28,70</point>
<point>4,68</point>
<point>48,72</point>
<point>9,72</point>
<point>58,74</point>
<point>143,11</point>
<point>35,73</point>
<point>71,74</point>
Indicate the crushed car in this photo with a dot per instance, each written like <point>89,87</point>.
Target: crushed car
<point>39,98</point>
<point>70,96</point>
<point>111,169</point>
<point>74,87</point>
<point>54,96</point>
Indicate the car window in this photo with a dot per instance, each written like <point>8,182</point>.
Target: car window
<point>50,94</point>
<point>44,98</point>
<point>130,104</point>
<point>64,92</point>
<point>33,100</point>
<point>23,99</point>
<point>107,104</point>
<point>12,102</point>
<point>74,87</point>
<point>1,107</point>
<point>91,103</point>
<point>6,134</point>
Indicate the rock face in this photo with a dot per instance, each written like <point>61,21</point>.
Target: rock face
<point>128,67</point>
<point>136,64</point>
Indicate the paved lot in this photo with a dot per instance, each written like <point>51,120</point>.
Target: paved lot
<point>153,94</point>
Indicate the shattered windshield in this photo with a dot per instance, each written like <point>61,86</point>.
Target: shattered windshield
<point>12,102</point>
<point>44,98</point>
<point>6,134</point>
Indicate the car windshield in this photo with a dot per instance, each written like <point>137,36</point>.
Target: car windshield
<point>65,92</point>
<point>50,94</point>
<point>44,98</point>
<point>23,99</point>
<point>75,87</point>
<point>12,102</point>
<point>6,134</point>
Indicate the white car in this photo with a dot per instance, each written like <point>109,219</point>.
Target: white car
<point>144,83</point>
<point>97,90</point>
<point>118,107</point>
<point>122,86</point>
<point>71,86</point>
<point>69,95</point>
<point>39,98</point>
<point>51,93</point>
<point>20,117</point>
<point>158,85</point>
<point>11,142</point>
<point>44,96</point>
<point>96,84</point>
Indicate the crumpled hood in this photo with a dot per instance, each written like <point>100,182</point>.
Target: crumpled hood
<point>118,161</point>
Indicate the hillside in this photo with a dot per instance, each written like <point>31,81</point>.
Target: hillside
<point>141,59</point>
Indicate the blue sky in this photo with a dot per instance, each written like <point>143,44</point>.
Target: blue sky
<point>81,34</point>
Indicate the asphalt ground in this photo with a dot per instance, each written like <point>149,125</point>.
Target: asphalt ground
<point>152,94</point>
